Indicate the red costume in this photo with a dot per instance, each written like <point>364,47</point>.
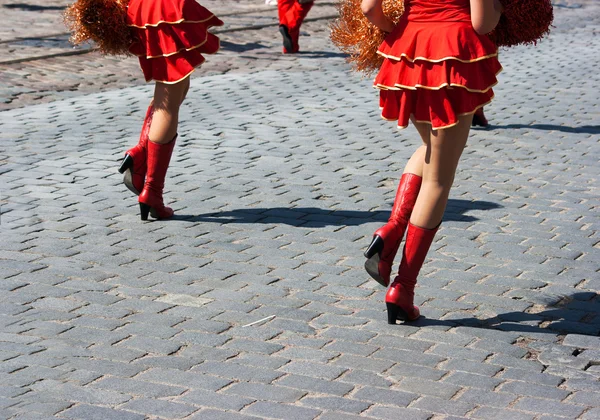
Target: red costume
<point>291,16</point>
<point>436,67</point>
<point>170,37</point>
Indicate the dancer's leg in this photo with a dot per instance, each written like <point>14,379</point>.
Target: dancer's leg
<point>167,100</point>
<point>443,152</point>
<point>133,166</point>
<point>386,240</point>
<point>163,132</point>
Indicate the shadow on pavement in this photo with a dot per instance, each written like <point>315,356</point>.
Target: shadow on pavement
<point>584,129</point>
<point>317,218</point>
<point>31,7</point>
<point>321,54</point>
<point>249,46</point>
<point>578,313</point>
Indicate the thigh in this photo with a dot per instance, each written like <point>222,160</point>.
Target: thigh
<point>423,129</point>
<point>444,149</point>
<point>170,95</point>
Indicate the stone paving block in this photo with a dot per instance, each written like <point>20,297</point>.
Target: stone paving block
<point>70,392</point>
<point>585,398</point>
<point>93,412</point>
<point>346,405</point>
<point>221,415</point>
<point>342,346</point>
<point>138,387</point>
<point>253,346</point>
<point>43,408</point>
<point>118,369</point>
<point>594,413</point>
<point>426,387</point>
<point>342,416</point>
<point>159,408</point>
<point>442,406</point>
<point>510,362</point>
<point>473,381</point>
<point>537,378</point>
<point>312,369</point>
<point>385,396</point>
<point>404,356</point>
<point>315,385</point>
<point>264,392</point>
<point>544,406</point>
<point>497,413</point>
<point>215,400</point>
<point>485,398</point>
<point>582,341</point>
<point>390,413</point>
<point>235,371</point>
<point>348,334</point>
<point>151,345</point>
<point>281,411</point>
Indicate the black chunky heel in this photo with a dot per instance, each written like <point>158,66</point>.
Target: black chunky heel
<point>126,164</point>
<point>144,211</point>
<point>392,312</point>
<point>375,248</point>
<point>372,254</point>
<point>395,313</point>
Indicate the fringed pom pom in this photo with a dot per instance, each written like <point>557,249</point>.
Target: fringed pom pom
<point>523,22</point>
<point>354,35</point>
<point>101,21</point>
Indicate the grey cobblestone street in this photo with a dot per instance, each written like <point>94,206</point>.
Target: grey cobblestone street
<point>252,303</point>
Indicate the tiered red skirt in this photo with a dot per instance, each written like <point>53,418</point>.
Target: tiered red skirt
<point>435,71</point>
<point>171,36</point>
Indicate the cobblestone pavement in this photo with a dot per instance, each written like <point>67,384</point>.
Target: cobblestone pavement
<point>252,303</point>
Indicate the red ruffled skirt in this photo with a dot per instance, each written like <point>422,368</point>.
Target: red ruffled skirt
<point>436,71</point>
<point>171,36</point>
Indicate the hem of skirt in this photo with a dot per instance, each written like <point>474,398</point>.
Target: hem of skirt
<point>149,57</point>
<point>168,82</point>
<point>175,22</point>
<point>445,85</point>
<point>398,86</point>
<point>401,127</point>
<point>436,60</point>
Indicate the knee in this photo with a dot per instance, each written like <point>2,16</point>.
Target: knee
<point>439,185</point>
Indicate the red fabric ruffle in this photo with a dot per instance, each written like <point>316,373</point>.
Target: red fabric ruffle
<point>437,41</point>
<point>440,108</point>
<point>170,37</point>
<point>478,76</point>
<point>435,68</point>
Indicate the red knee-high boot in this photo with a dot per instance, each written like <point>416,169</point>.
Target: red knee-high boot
<point>291,16</point>
<point>386,240</point>
<point>134,162</point>
<point>283,7</point>
<point>151,199</point>
<point>400,296</point>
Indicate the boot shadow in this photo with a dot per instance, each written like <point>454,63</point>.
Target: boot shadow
<point>578,313</point>
<point>314,217</point>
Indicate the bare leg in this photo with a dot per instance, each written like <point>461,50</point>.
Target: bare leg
<point>167,100</point>
<point>415,163</point>
<point>444,148</point>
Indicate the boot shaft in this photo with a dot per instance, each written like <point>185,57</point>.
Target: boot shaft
<point>417,244</point>
<point>158,159</point>
<point>406,197</point>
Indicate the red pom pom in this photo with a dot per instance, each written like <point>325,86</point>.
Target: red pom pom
<point>523,22</point>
